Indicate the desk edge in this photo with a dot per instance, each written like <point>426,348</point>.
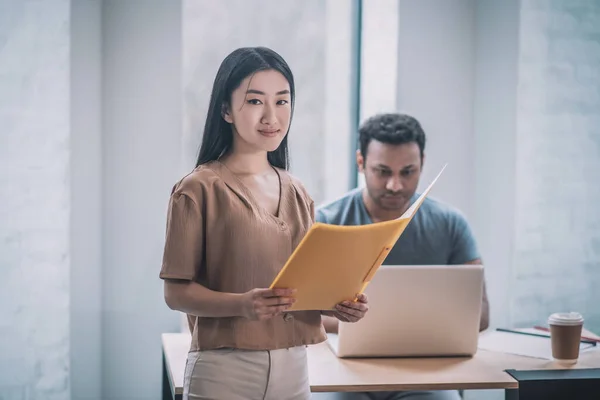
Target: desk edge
<point>401,387</point>
<point>175,389</point>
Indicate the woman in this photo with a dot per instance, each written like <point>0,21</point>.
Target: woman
<point>232,224</point>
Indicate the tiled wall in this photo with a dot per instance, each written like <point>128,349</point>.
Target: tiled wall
<point>34,198</point>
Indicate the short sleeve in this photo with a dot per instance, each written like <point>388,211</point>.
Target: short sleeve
<point>464,246</point>
<point>184,239</point>
<point>320,216</point>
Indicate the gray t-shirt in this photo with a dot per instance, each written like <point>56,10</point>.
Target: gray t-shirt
<point>437,235</point>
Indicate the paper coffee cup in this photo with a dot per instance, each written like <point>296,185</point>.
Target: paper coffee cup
<point>565,336</point>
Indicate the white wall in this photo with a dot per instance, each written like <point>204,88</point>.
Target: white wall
<point>378,72</point>
<point>86,207</point>
<point>436,54</point>
<point>341,98</point>
<point>297,31</point>
<point>34,199</point>
<point>557,232</point>
<point>142,124</point>
<point>379,57</point>
<point>538,147</point>
<point>497,46</point>
<point>495,98</point>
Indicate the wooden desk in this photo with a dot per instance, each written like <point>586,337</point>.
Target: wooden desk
<point>485,370</point>
<point>175,347</point>
<point>327,373</point>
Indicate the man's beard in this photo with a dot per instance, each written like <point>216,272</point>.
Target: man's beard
<point>392,201</point>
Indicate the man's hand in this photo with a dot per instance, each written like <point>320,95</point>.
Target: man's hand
<point>350,311</point>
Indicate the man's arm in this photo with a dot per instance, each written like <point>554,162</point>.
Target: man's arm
<point>484,321</point>
<point>465,251</point>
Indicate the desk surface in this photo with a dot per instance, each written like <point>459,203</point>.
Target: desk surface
<point>327,373</point>
<point>485,370</point>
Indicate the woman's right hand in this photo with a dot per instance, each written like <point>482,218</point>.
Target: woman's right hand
<point>262,304</point>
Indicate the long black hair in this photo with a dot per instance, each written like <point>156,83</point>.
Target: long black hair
<point>217,138</point>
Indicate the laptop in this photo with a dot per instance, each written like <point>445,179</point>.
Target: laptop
<point>416,311</point>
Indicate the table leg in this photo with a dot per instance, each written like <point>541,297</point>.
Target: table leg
<point>511,394</point>
<point>166,385</point>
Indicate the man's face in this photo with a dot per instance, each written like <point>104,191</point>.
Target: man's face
<point>391,172</point>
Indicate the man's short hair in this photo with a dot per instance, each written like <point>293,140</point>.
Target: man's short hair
<point>391,128</point>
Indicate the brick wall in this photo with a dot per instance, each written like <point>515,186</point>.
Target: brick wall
<point>557,209</point>
<point>34,199</point>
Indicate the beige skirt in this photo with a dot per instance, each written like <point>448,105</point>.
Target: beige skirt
<point>233,374</point>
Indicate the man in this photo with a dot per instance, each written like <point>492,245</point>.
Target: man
<point>391,157</point>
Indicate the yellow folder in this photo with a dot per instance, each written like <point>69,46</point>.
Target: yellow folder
<point>334,263</point>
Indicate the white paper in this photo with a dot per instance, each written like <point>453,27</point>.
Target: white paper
<point>411,210</point>
<point>522,345</point>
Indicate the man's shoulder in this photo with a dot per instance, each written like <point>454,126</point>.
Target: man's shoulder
<point>336,211</point>
<point>436,206</point>
<point>438,210</point>
<point>449,228</point>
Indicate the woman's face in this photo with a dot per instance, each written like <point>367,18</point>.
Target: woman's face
<point>260,112</point>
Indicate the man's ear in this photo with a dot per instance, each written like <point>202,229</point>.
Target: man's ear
<point>422,161</point>
<point>226,114</point>
<point>360,161</point>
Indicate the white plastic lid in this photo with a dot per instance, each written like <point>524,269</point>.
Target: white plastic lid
<point>566,319</point>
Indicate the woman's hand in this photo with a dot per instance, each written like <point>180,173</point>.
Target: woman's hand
<point>350,311</point>
<point>262,304</point>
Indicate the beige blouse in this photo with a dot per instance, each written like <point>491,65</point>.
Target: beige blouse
<point>218,235</point>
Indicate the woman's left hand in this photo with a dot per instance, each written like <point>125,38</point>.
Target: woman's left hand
<point>352,311</point>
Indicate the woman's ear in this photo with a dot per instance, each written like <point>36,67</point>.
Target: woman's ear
<point>226,114</point>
